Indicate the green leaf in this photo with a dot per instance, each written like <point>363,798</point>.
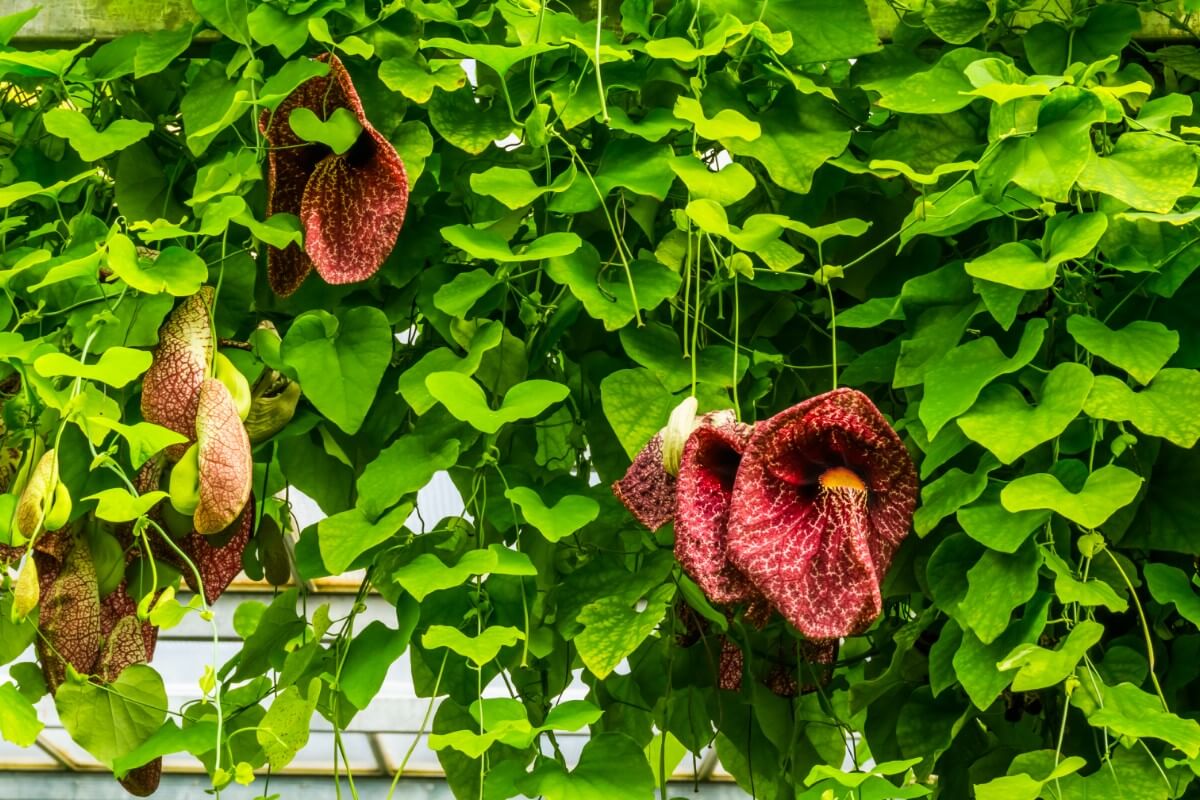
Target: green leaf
<point>90,144</point>
<point>176,271</point>
<point>416,79</point>
<point>950,492</point>
<point>343,537</point>
<point>1039,668</point>
<point>338,133</point>
<point>456,297</point>
<point>1089,593</point>
<point>464,398</point>
<point>555,522</point>
<point>939,89</point>
<point>725,186</point>
<point>1144,171</point>
<point>996,528</point>
<point>117,367</point>
<point>287,79</point>
<point>998,584</point>
<point>605,292</point>
<point>799,134</point>
<point>283,730</point>
<point>426,573</point>
<point>616,626</point>
<point>491,246</point>
<point>959,21</point>
<point>515,187</point>
<point>118,505</point>
<point>975,662</point>
<point>1140,348</point>
<point>1171,586</point>
<point>1128,711</point>
<point>227,16</point>
<point>145,438</point>
<point>1106,490</point>
<point>1002,422</point>
<point>19,723</point>
<point>157,50</point>
<point>111,721</point>
<point>340,360</point>
<point>213,102</point>
<point>404,467</point>
<point>368,659</point>
<point>953,385</point>
<point>1165,408</point>
<point>197,739</point>
<point>1048,161</point>
<point>498,57</point>
<point>412,382</point>
<point>469,123</point>
<point>480,649</point>
<point>636,406</point>
<point>725,124</point>
<point>612,765</point>
<point>11,24</point>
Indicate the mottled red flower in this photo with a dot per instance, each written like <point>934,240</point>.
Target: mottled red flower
<point>647,489</point>
<point>825,494</point>
<point>351,206</point>
<point>171,387</point>
<point>707,469</point>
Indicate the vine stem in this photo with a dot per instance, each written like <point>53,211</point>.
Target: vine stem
<point>1145,628</point>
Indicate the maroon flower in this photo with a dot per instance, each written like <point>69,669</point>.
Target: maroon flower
<point>825,494</point>
<point>647,489</point>
<point>351,206</point>
<point>707,469</point>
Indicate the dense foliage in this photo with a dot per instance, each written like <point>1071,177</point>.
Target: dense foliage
<point>988,225</point>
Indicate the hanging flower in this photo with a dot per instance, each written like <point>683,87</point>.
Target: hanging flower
<point>825,494</point>
<point>171,387</point>
<point>351,205</point>
<point>707,469</point>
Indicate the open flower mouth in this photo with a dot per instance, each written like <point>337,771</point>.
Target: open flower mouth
<point>825,494</point>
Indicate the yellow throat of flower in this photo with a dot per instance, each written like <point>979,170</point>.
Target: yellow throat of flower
<point>841,478</point>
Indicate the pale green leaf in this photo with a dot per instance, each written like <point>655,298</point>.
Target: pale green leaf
<point>116,367</point>
<point>480,649</point>
<point>1106,490</point>
<point>1165,408</point>
<point>426,573</point>
<point>558,521</point>
<point>93,145</point>
<point>1140,348</point>
<point>464,398</point>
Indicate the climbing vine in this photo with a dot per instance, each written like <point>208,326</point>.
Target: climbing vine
<point>827,400</point>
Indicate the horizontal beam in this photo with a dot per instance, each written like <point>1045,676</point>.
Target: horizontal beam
<point>81,20</point>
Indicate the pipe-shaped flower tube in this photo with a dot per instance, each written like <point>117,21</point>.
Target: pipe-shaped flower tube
<point>226,463</point>
<point>825,494</point>
<point>171,387</point>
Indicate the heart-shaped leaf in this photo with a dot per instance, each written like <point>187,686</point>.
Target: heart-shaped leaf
<point>1141,348</point>
<point>117,367</point>
<point>1166,408</point>
<point>426,573</point>
<point>1002,422</point>
<point>560,520</point>
<point>340,360</point>
<point>480,649</point>
<point>338,133</point>
<point>464,398</point>
<point>93,145</point>
<point>1106,490</point>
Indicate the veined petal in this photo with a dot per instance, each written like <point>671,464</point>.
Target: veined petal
<point>70,615</point>
<point>225,460</point>
<point>824,496</point>
<point>708,466</point>
<point>353,208</point>
<point>647,489</point>
<point>217,561</point>
<point>171,387</point>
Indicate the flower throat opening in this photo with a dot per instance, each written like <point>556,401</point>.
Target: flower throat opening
<point>841,478</point>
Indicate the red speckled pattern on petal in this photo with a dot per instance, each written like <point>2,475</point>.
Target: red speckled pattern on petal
<point>219,564</point>
<point>819,553</point>
<point>70,615</point>
<point>171,387</point>
<point>351,205</point>
<point>707,470</point>
<point>730,667</point>
<point>648,490</point>
<point>353,208</point>
<point>226,464</point>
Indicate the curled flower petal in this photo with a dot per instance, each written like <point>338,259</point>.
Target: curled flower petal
<point>647,489</point>
<point>171,387</point>
<point>825,494</point>
<point>351,205</point>
<point>707,469</point>
<point>226,463</point>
